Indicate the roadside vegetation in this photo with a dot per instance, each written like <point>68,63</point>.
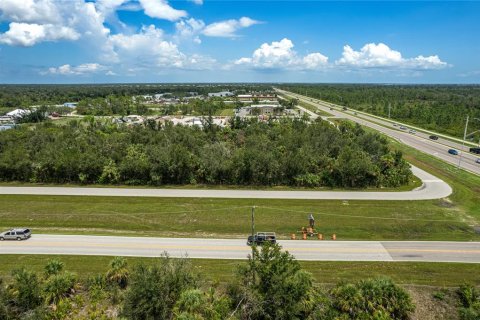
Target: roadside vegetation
<point>441,108</point>
<point>248,152</point>
<point>270,285</point>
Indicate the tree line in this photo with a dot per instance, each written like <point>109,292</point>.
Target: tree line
<point>17,96</point>
<point>289,152</point>
<point>271,285</point>
<point>442,108</point>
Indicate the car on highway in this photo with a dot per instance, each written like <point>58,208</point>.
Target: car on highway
<point>453,152</point>
<point>478,161</point>
<point>395,124</point>
<point>262,237</point>
<point>475,150</point>
<point>403,127</point>
<point>16,234</point>
<point>412,131</point>
<point>433,137</point>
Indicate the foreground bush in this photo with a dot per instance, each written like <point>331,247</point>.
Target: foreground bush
<point>154,290</point>
<point>372,299</point>
<point>470,302</point>
<point>272,285</point>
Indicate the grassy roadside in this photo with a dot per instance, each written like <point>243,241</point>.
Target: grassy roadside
<point>314,109</point>
<point>414,183</point>
<point>413,273</point>
<point>203,217</point>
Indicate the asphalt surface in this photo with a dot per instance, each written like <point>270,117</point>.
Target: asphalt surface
<point>419,140</point>
<point>313,250</point>
<point>432,188</point>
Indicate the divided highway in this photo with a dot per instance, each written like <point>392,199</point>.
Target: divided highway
<point>313,250</point>
<point>420,141</point>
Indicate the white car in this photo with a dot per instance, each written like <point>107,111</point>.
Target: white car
<point>16,234</point>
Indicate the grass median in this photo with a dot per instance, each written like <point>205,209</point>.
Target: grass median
<point>325,272</point>
<point>231,218</point>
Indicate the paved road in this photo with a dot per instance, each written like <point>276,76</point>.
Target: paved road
<point>237,249</point>
<point>418,141</point>
<point>432,188</point>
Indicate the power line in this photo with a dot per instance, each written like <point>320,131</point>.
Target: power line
<point>358,217</point>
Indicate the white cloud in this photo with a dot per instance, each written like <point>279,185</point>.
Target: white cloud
<point>162,10</point>
<point>31,11</point>
<point>25,34</point>
<point>280,55</point>
<point>199,2</point>
<point>380,55</point>
<point>228,28</point>
<point>189,29</point>
<point>149,49</point>
<point>66,69</point>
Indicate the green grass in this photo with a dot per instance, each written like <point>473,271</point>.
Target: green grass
<point>418,273</point>
<point>314,109</point>
<point>203,217</point>
<point>225,112</point>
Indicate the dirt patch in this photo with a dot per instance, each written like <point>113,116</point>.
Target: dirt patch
<point>445,203</point>
<point>433,303</point>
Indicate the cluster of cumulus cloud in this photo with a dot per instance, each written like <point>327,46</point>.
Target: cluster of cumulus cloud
<point>280,54</point>
<point>31,22</point>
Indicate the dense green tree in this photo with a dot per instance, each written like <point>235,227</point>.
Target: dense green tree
<point>154,290</point>
<point>272,285</point>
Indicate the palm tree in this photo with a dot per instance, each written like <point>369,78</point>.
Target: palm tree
<point>118,272</point>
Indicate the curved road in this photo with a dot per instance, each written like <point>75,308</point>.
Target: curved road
<point>419,141</point>
<point>432,188</point>
<point>314,250</point>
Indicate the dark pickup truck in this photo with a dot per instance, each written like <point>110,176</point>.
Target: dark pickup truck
<point>262,237</point>
<point>475,150</point>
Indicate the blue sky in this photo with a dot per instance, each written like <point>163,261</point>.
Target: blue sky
<point>79,41</point>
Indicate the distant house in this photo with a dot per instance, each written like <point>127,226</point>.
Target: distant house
<point>70,104</point>
<point>18,113</point>
<point>221,94</point>
<point>259,110</point>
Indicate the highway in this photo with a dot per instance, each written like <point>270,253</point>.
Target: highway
<point>432,188</point>
<point>308,250</point>
<point>438,148</point>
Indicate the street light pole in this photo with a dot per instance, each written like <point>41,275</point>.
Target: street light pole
<point>463,144</point>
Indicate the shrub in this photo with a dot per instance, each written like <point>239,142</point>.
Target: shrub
<point>372,299</point>
<point>59,286</point>
<point>154,290</point>
<point>25,290</point>
<point>118,272</point>
<point>470,301</point>
<point>53,267</point>
<point>273,286</point>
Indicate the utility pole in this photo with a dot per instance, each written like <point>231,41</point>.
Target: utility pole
<point>463,144</point>
<point>253,221</point>
<point>389,107</point>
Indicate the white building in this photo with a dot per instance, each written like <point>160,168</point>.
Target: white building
<point>221,94</point>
